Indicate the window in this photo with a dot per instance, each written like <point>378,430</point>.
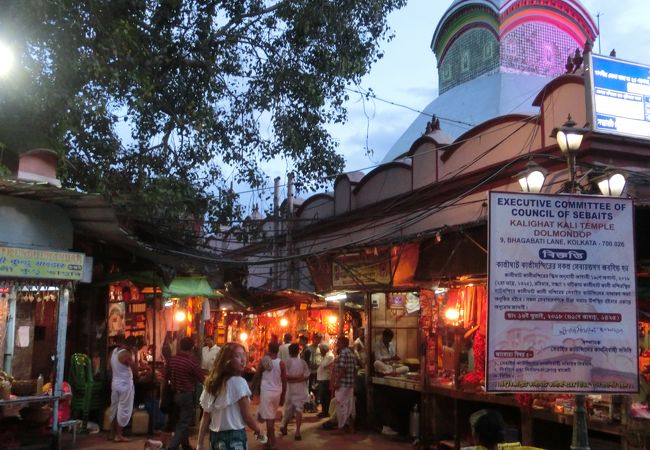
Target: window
<point>464,61</point>
<point>488,51</point>
<point>446,72</point>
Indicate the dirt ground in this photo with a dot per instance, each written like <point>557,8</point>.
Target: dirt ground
<point>313,437</point>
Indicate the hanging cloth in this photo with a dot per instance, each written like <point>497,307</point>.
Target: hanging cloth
<point>205,313</point>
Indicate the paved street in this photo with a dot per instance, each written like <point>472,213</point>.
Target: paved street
<point>313,437</point>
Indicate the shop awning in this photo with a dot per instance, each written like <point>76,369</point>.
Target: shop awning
<point>266,300</point>
<point>95,218</point>
<point>190,287</point>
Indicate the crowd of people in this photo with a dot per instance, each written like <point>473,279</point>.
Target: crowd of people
<point>299,376</point>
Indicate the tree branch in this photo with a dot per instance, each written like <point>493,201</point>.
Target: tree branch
<point>223,31</point>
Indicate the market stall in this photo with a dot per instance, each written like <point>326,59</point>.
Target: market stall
<point>395,363</point>
<point>455,376</point>
<point>153,317</point>
<point>36,287</point>
<point>255,330</point>
<point>450,327</point>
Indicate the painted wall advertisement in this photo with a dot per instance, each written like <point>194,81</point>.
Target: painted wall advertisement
<point>562,307</point>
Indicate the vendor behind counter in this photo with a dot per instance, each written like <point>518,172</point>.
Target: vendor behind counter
<point>391,411</point>
<point>386,360</point>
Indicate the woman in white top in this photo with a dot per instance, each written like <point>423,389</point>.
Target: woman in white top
<point>226,403</point>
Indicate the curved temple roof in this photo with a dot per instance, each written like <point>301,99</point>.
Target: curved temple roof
<point>530,39</point>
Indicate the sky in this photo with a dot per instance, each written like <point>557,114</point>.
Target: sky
<point>407,74</point>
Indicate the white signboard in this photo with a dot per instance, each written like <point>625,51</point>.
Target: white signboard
<point>562,294</point>
<point>620,96</point>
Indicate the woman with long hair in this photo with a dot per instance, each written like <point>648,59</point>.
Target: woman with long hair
<point>226,403</point>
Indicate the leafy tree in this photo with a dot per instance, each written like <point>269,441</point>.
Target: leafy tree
<point>203,90</point>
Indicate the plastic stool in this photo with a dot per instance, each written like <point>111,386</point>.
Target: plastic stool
<point>72,425</point>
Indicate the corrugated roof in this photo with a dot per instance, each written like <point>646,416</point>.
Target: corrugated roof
<point>93,216</point>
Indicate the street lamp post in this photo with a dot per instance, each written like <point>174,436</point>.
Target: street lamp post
<point>569,138</point>
<point>531,179</point>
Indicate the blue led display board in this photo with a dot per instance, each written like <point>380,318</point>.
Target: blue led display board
<point>620,96</point>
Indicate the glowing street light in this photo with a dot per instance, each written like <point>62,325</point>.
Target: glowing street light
<point>532,178</point>
<point>569,138</point>
<point>6,59</point>
<point>611,184</point>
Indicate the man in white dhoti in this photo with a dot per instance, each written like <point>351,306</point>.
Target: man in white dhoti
<point>122,390</point>
<point>345,369</point>
<point>272,392</point>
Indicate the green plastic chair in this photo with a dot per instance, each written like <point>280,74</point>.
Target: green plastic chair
<point>87,394</point>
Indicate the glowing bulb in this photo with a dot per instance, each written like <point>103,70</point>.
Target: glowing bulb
<point>284,322</point>
<point>452,314</point>
<point>332,319</point>
<point>180,316</point>
<point>243,336</point>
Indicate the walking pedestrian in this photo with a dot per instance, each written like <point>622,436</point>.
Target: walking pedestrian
<point>226,403</point>
<point>345,369</point>
<point>313,362</point>
<point>284,348</point>
<point>209,353</point>
<point>323,376</point>
<point>272,391</point>
<point>184,372</point>
<point>297,392</point>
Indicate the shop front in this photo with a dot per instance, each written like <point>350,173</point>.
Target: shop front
<point>439,339</point>
<point>36,287</point>
<point>152,318</point>
<point>300,317</point>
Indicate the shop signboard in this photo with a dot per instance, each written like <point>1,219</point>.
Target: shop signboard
<point>358,270</point>
<point>620,96</point>
<point>40,264</point>
<point>562,311</point>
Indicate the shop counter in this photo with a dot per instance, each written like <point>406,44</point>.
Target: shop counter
<point>451,408</point>
<point>471,395</point>
<point>29,399</point>
<point>567,419</point>
<point>11,407</point>
<point>398,382</point>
